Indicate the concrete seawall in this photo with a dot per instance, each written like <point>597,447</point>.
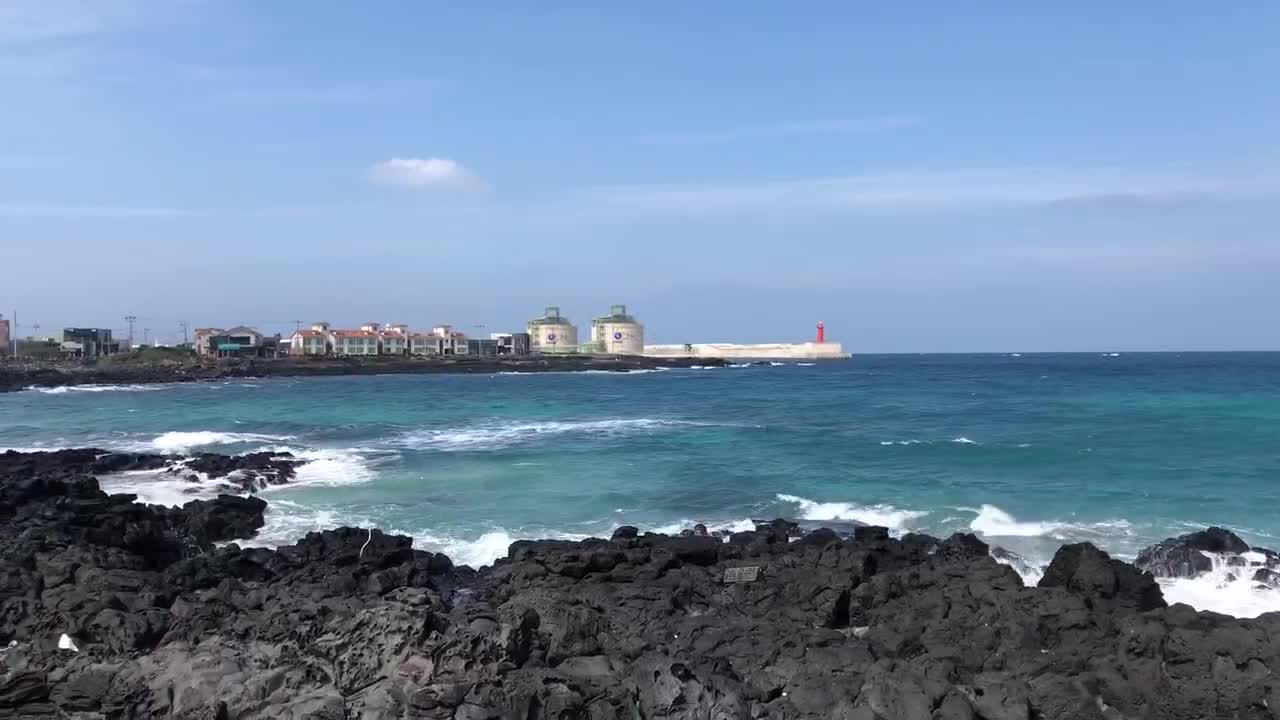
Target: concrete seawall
<point>760,351</point>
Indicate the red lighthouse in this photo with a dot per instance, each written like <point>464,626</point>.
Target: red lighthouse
<point>822,333</point>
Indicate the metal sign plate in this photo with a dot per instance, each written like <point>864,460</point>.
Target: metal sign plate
<point>742,574</point>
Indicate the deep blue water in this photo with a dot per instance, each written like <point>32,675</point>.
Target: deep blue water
<point>1030,451</point>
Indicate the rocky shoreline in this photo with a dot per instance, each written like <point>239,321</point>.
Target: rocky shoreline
<point>20,375</point>
<point>112,609</point>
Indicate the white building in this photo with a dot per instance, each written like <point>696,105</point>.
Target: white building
<point>355,342</point>
<point>309,342</point>
<point>395,340</point>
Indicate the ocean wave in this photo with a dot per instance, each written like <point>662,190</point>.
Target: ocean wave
<point>326,466</point>
<point>906,442</point>
<point>882,515</point>
<point>995,522</point>
<point>965,441</point>
<point>175,442</point>
<point>1224,589</point>
<point>992,521</point>
<point>64,389</point>
<point>499,435</point>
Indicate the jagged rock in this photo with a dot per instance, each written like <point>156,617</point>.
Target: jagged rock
<point>1184,556</point>
<point>1084,569</point>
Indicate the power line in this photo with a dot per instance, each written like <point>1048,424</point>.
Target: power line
<point>131,319</point>
<point>185,338</point>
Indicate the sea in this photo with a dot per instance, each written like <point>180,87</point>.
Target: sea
<point>1029,451</point>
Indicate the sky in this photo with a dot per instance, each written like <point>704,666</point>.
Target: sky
<point>921,177</point>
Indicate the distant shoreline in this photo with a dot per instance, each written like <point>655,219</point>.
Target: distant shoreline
<point>16,375</point>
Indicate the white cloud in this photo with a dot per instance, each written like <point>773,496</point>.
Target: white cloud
<point>425,173</point>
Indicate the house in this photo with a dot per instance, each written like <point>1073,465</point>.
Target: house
<point>239,341</point>
<point>452,342</point>
<point>88,342</point>
<point>512,343</point>
<point>310,342</point>
<point>201,340</point>
<point>424,344</point>
<point>355,342</point>
<point>395,340</point>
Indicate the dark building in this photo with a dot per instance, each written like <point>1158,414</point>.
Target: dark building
<point>89,342</point>
<point>513,344</point>
<point>4,337</point>
<point>482,348</point>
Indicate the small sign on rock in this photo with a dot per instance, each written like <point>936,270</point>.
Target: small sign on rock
<point>747,574</point>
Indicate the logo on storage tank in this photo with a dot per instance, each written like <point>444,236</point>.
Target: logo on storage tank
<point>551,337</point>
<point>617,336</point>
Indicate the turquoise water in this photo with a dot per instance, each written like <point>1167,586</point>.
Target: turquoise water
<point>1028,450</point>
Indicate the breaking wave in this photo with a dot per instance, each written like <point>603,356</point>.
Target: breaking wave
<point>64,389</point>
<point>175,442</point>
<point>883,515</point>
<point>499,435</point>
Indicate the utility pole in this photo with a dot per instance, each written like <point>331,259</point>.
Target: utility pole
<point>297,325</point>
<point>131,319</point>
<point>145,333</point>
<point>185,338</point>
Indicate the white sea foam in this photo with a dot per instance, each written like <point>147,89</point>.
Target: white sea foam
<point>995,522</point>
<point>806,364</point>
<point>326,466</point>
<point>483,550</point>
<point>175,442</point>
<point>498,435</point>
<point>1224,589</point>
<point>906,442</point>
<point>882,515</point>
<point>777,364</point>
<point>157,487</point>
<point>64,389</point>
<point>964,441</point>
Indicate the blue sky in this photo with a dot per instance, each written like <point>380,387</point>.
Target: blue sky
<point>920,176</point>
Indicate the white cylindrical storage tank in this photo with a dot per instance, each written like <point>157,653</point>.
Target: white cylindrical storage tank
<point>552,333</point>
<point>617,333</point>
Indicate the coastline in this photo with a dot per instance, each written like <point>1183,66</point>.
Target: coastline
<point>117,609</point>
<point>18,375</point>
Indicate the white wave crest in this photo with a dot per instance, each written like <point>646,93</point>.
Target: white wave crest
<point>64,389</point>
<point>995,522</point>
<point>495,436</point>
<point>882,515</point>
<point>173,442</point>
<point>906,442</point>
<point>964,441</point>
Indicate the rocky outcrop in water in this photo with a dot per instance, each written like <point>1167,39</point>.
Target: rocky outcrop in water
<point>353,623</point>
<point>235,473</point>
<point>1198,553</point>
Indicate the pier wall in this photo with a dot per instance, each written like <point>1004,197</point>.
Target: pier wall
<point>759,351</point>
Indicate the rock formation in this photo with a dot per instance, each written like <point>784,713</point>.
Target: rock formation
<point>353,623</point>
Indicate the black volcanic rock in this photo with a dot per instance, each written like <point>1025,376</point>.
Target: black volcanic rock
<point>1184,556</point>
<point>1090,572</point>
<point>244,473</point>
<point>356,623</point>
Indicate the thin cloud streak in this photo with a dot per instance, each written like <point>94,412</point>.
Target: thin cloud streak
<point>97,211</point>
<point>874,123</point>
<point>943,190</point>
